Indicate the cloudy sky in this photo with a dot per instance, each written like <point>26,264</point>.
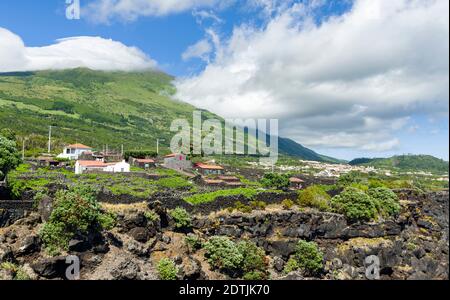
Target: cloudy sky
<point>346,78</point>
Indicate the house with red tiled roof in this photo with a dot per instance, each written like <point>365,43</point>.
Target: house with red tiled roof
<point>207,169</point>
<point>73,151</point>
<point>296,183</point>
<point>146,163</point>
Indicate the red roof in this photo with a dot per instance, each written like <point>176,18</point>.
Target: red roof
<point>145,161</point>
<point>208,167</point>
<point>295,180</point>
<point>92,163</point>
<point>211,181</point>
<point>170,155</point>
<point>79,146</point>
<point>228,178</point>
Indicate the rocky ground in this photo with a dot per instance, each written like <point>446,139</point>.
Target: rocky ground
<point>414,245</point>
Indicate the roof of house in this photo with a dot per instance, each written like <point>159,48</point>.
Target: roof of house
<point>92,163</point>
<point>296,180</point>
<point>79,146</point>
<point>212,181</point>
<point>208,167</point>
<point>228,178</point>
<point>173,155</point>
<point>145,161</point>
<point>228,183</point>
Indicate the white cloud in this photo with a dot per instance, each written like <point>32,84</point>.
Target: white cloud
<point>353,81</point>
<point>201,15</point>
<point>103,11</point>
<point>201,50</point>
<point>91,52</point>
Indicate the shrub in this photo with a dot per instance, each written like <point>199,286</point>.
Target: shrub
<point>193,242</point>
<point>355,205</point>
<point>152,217</point>
<point>291,266</point>
<point>253,257</point>
<point>244,257</point>
<point>222,253</point>
<point>167,269</point>
<point>17,272</point>
<point>314,196</point>
<point>386,201</point>
<point>307,257</point>
<point>349,178</point>
<point>258,205</point>
<point>9,156</point>
<point>239,206</point>
<point>75,211</point>
<point>275,181</point>
<point>255,276</point>
<point>181,218</point>
<point>287,203</point>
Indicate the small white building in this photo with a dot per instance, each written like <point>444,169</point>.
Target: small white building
<point>73,151</point>
<point>82,166</point>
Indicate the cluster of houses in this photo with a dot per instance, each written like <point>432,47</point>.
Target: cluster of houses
<point>89,161</point>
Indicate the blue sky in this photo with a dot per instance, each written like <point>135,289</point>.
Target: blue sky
<point>345,78</point>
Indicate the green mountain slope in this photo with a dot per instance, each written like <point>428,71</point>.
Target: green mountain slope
<point>406,163</point>
<point>98,108</point>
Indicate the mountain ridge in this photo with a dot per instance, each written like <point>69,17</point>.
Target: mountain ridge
<point>410,162</point>
<point>101,107</point>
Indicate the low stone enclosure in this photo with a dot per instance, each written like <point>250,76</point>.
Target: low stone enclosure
<point>412,245</point>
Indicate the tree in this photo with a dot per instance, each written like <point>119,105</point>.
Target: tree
<point>8,133</point>
<point>276,181</point>
<point>9,156</point>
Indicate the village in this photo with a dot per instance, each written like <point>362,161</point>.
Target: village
<point>86,160</point>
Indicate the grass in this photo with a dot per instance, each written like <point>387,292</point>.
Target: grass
<point>196,199</point>
<point>23,179</point>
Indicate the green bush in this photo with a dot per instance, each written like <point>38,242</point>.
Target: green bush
<point>9,156</point>
<point>275,181</point>
<point>349,178</point>
<point>152,217</point>
<point>239,206</point>
<point>258,205</point>
<point>291,266</point>
<point>181,218</point>
<point>314,196</point>
<point>167,270</point>
<point>253,257</point>
<point>255,276</point>
<point>287,204</point>
<point>307,258</point>
<point>17,272</point>
<point>222,253</point>
<point>386,201</point>
<point>355,205</point>
<point>193,242</point>
<point>75,211</point>
<point>244,257</point>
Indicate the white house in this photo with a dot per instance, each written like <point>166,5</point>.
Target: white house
<point>82,166</point>
<point>73,151</point>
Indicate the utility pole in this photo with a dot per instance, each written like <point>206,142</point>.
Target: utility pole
<point>23,148</point>
<point>157,145</point>
<point>50,139</point>
<point>122,150</point>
